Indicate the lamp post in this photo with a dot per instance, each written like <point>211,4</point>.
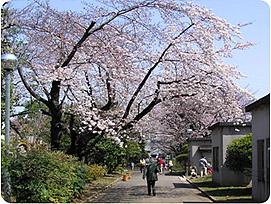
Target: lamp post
<point>8,60</point>
<point>188,132</point>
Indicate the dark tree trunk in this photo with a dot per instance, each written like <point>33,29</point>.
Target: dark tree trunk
<point>72,150</point>
<point>56,127</point>
<point>56,114</point>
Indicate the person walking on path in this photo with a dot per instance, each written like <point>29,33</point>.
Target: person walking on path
<point>162,165</point>
<point>150,173</point>
<point>142,165</point>
<point>170,165</point>
<point>132,165</point>
<point>203,166</point>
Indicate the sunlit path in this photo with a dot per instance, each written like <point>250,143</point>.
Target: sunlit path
<point>168,188</point>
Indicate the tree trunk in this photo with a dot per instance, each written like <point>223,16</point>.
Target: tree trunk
<point>73,134</point>
<point>56,127</point>
<point>56,114</point>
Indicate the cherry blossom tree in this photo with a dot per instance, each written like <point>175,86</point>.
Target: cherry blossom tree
<point>172,123</point>
<point>116,60</point>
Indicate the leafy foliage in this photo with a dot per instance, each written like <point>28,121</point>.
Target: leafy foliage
<point>42,176</point>
<point>182,156</point>
<point>33,122</point>
<point>95,171</point>
<point>239,154</point>
<point>133,151</point>
<point>111,154</point>
<point>97,149</point>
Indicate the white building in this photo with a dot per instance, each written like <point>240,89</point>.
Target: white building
<point>197,148</point>
<point>260,110</point>
<point>223,133</point>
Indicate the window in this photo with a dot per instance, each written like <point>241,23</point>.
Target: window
<point>260,160</point>
<point>215,158</point>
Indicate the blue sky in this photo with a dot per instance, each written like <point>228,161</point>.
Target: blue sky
<point>254,63</point>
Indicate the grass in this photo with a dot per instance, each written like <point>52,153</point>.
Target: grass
<point>104,181</point>
<point>94,187</point>
<point>233,194</point>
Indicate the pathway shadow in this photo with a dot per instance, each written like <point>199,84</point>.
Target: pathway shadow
<point>138,191</point>
<point>182,185</point>
<point>109,195</point>
<point>231,192</point>
<point>177,173</point>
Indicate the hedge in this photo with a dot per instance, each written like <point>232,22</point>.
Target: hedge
<point>239,154</point>
<point>44,176</point>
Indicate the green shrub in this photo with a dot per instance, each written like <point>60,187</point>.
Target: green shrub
<point>182,157</point>
<point>239,154</point>
<point>109,154</point>
<point>119,170</point>
<point>43,176</point>
<point>133,151</point>
<point>95,171</point>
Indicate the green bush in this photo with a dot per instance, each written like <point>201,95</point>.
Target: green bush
<point>112,154</point>
<point>239,154</point>
<point>95,171</point>
<point>43,176</point>
<point>119,170</point>
<point>132,151</point>
<point>182,157</point>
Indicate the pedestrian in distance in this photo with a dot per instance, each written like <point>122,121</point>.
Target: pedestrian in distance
<point>170,165</point>
<point>142,165</point>
<point>132,165</point>
<point>203,163</point>
<point>161,164</point>
<point>150,173</point>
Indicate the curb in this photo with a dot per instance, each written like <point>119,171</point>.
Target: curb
<point>201,190</point>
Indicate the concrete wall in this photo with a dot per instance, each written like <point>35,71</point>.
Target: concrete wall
<point>261,130</point>
<point>221,138</point>
<point>195,154</point>
<point>231,178</point>
<point>217,142</point>
<point>229,134</point>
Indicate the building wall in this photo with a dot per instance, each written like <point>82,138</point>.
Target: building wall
<point>229,134</point>
<point>216,137</point>
<point>261,131</point>
<point>195,154</point>
<point>221,138</point>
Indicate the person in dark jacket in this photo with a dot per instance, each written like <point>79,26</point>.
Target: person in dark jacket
<point>150,173</point>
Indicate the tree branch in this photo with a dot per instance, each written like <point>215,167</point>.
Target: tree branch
<point>89,91</point>
<point>65,95</point>
<point>78,44</point>
<point>152,104</point>
<point>44,112</point>
<point>30,90</point>
<point>21,113</point>
<point>110,94</point>
<point>142,83</point>
<point>16,129</point>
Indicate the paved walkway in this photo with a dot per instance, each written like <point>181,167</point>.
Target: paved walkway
<point>169,189</point>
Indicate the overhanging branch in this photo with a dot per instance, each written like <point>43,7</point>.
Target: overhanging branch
<point>30,90</point>
<point>142,83</point>
<point>78,44</point>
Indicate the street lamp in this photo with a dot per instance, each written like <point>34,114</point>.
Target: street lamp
<point>8,61</point>
<point>189,131</point>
